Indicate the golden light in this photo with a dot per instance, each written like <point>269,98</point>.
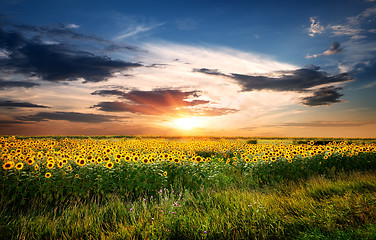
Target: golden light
<point>186,123</point>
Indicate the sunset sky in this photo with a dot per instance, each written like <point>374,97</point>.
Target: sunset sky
<point>223,68</point>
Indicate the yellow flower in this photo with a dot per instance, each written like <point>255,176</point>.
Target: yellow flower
<point>77,176</point>
<point>50,165</point>
<point>165,173</point>
<point>48,175</point>
<point>109,165</point>
<point>8,165</point>
<point>19,166</point>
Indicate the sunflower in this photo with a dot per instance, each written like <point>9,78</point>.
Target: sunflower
<point>76,176</point>
<point>30,160</point>
<point>165,173</point>
<point>109,165</point>
<point>48,175</point>
<point>176,160</point>
<point>81,162</point>
<point>8,165</point>
<point>19,166</point>
<point>36,167</point>
<point>145,160</point>
<point>50,165</point>
<point>60,164</point>
<point>69,168</point>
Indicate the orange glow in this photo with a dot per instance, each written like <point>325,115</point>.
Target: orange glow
<point>186,123</point>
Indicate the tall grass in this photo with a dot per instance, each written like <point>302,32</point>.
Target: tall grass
<point>343,207</point>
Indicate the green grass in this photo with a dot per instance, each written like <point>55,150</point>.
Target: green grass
<point>342,207</point>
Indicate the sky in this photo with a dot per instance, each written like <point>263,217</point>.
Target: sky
<point>167,68</point>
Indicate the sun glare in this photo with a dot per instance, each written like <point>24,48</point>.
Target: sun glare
<point>186,123</point>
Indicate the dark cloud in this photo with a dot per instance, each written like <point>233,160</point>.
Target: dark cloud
<point>323,96</point>
<point>132,108</point>
<point>68,116</point>
<point>61,30</point>
<point>10,122</point>
<point>156,98</point>
<point>119,47</point>
<point>10,84</point>
<point>299,80</point>
<point>335,48</point>
<point>54,62</point>
<point>12,104</point>
<point>158,102</point>
<point>209,71</point>
<point>105,93</point>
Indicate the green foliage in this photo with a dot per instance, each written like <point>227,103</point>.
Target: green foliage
<point>252,141</point>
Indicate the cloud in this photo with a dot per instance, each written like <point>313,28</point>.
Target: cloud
<point>160,102</point>
<point>315,27</point>
<point>134,31</point>
<point>209,71</point>
<point>145,109</point>
<point>106,93</point>
<point>323,96</point>
<point>300,80</point>
<point>55,62</point>
<point>11,84</point>
<point>68,116</point>
<point>59,30</point>
<point>71,25</point>
<point>325,124</point>
<point>20,104</point>
<point>156,97</point>
<point>355,26</point>
<point>335,48</point>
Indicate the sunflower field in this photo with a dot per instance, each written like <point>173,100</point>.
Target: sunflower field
<point>57,171</point>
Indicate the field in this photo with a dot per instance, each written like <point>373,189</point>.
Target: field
<point>187,188</point>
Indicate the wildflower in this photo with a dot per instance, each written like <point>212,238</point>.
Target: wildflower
<point>48,175</point>
<point>77,176</point>
<point>19,166</point>
<point>131,209</point>
<point>165,173</point>
<point>109,165</point>
<point>8,165</point>
<point>50,165</point>
<point>205,232</point>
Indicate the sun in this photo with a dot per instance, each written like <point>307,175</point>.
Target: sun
<point>186,123</point>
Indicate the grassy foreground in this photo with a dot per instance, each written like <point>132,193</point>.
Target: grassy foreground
<point>343,207</point>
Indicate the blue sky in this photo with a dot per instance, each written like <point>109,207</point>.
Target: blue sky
<point>270,68</point>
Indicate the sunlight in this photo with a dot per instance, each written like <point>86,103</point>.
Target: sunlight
<point>186,123</point>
